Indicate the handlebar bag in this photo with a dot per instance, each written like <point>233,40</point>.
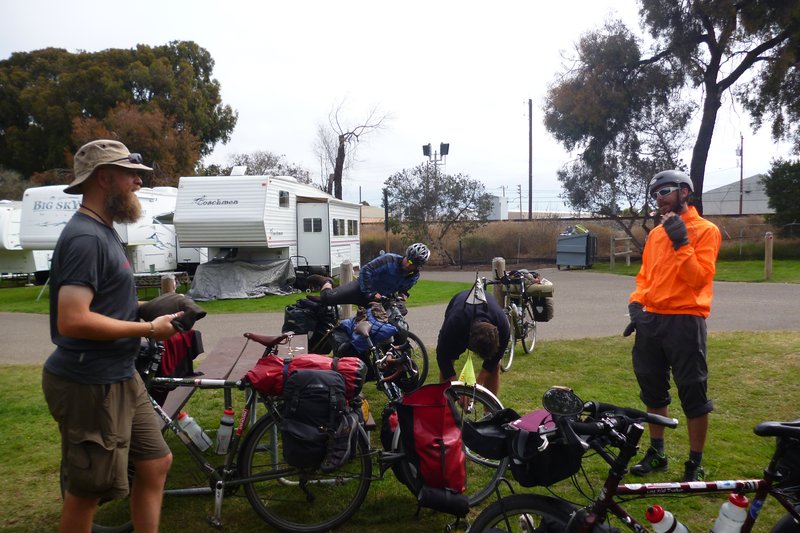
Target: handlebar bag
<point>533,466</point>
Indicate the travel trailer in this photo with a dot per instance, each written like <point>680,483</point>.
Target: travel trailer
<point>263,219</point>
<point>14,260</point>
<point>151,245</point>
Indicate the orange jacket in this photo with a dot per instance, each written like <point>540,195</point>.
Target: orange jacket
<point>674,282</point>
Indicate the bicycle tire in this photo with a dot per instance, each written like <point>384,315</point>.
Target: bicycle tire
<point>112,516</point>
<point>508,355</point>
<point>528,327</point>
<point>293,500</point>
<point>523,512</point>
<point>419,356</point>
<point>786,524</point>
<point>482,473</point>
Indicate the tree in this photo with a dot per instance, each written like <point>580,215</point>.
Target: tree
<point>708,44</point>
<point>428,205</point>
<point>337,144</point>
<point>12,186</point>
<point>640,132</point>
<point>44,91</point>
<point>170,150</point>
<point>782,185</point>
<point>259,163</point>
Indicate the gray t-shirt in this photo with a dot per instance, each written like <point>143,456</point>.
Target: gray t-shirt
<point>90,254</point>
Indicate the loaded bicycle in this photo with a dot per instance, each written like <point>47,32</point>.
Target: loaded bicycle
<point>570,428</point>
<point>290,498</point>
<point>519,307</point>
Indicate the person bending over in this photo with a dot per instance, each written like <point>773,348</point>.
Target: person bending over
<point>482,328</point>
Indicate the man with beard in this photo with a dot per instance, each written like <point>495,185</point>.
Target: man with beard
<point>89,381</point>
<point>668,311</point>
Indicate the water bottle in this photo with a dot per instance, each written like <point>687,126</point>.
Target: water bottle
<point>731,514</point>
<point>225,431</point>
<point>194,431</point>
<point>663,521</point>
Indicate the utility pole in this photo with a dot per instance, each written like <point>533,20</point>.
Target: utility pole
<point>530,159</point>
<point>519,192</point>
<point>741,171</point>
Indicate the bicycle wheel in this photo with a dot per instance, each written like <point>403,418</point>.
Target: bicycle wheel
<point>786,524</point>
<point>508,354</point>
<point>292,499</point>
<point>523,513</point>
<point>475,402</point>
<point>528,327</point>
<point>112,516</point>
<point>419,356</point>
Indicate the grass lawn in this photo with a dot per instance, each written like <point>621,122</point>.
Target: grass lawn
<point>753,378</point>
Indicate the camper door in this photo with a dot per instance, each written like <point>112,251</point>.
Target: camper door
<point>314,233</point>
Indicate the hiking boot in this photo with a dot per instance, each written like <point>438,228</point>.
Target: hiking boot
<point>693,472</point>
<point>651,462</point>
<point>316,282</point>
<point>340,444</point>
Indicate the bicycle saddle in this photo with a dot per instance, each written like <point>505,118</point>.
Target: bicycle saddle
<point>269,340</point>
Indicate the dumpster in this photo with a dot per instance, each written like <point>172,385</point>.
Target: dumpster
<point>576,250</point>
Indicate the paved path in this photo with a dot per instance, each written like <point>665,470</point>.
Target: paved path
<point>588,304</point>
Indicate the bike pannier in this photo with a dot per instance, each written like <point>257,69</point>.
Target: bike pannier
<point>431,439</point>
<point>789,465</point>
<point>543,309</point>
<point>270,372</point>
<point>533,466</point>
<point>314,404</point>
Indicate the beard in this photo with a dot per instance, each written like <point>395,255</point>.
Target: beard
<point>123,206</point>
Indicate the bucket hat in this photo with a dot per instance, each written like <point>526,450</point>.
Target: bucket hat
<point>102,152</point>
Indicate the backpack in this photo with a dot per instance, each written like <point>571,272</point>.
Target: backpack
<point>314,404</point>
<point>430,435</point>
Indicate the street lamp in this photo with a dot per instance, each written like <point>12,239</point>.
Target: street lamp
<point>436,158</point>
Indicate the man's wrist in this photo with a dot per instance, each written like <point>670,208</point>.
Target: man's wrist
<point>152,333</point>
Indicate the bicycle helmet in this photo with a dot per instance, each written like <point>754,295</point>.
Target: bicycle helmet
<point>670,176</point>
<point>418,253</point>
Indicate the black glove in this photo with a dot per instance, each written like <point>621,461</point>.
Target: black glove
<point>635,310</point>
<point>172,303</point>
<point>676,230</point>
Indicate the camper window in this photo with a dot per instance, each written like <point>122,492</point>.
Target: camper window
<point>352,227</point>
<point>312,225</point>
<point>283,199</point>
<point>338,226</point>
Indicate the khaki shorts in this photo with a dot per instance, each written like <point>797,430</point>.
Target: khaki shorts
<point>101,426</point>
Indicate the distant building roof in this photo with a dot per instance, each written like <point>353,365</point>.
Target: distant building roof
<point>725,200</point>
<point>371,214</point>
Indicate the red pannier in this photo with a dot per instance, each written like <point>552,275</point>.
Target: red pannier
<point>270,372</point>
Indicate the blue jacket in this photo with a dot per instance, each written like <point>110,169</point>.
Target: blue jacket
<point>385,275</point>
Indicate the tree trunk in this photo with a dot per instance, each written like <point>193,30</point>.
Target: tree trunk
<point>338,169</point>
<point>697,171</point>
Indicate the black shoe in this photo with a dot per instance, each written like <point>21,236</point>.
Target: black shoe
<point>651,462</point>
<point>341,444</point>
<point>693,472</point>
<point>315,281</point>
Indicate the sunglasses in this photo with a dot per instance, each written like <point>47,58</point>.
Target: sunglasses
<point>130,158</point>
<point>661,192</point>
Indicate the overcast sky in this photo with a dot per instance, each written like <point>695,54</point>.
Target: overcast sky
<point>459,72</point>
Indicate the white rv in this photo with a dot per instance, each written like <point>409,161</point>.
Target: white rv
<point>13,259</point>
<point>260,219</point>
<point>151,246</point>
